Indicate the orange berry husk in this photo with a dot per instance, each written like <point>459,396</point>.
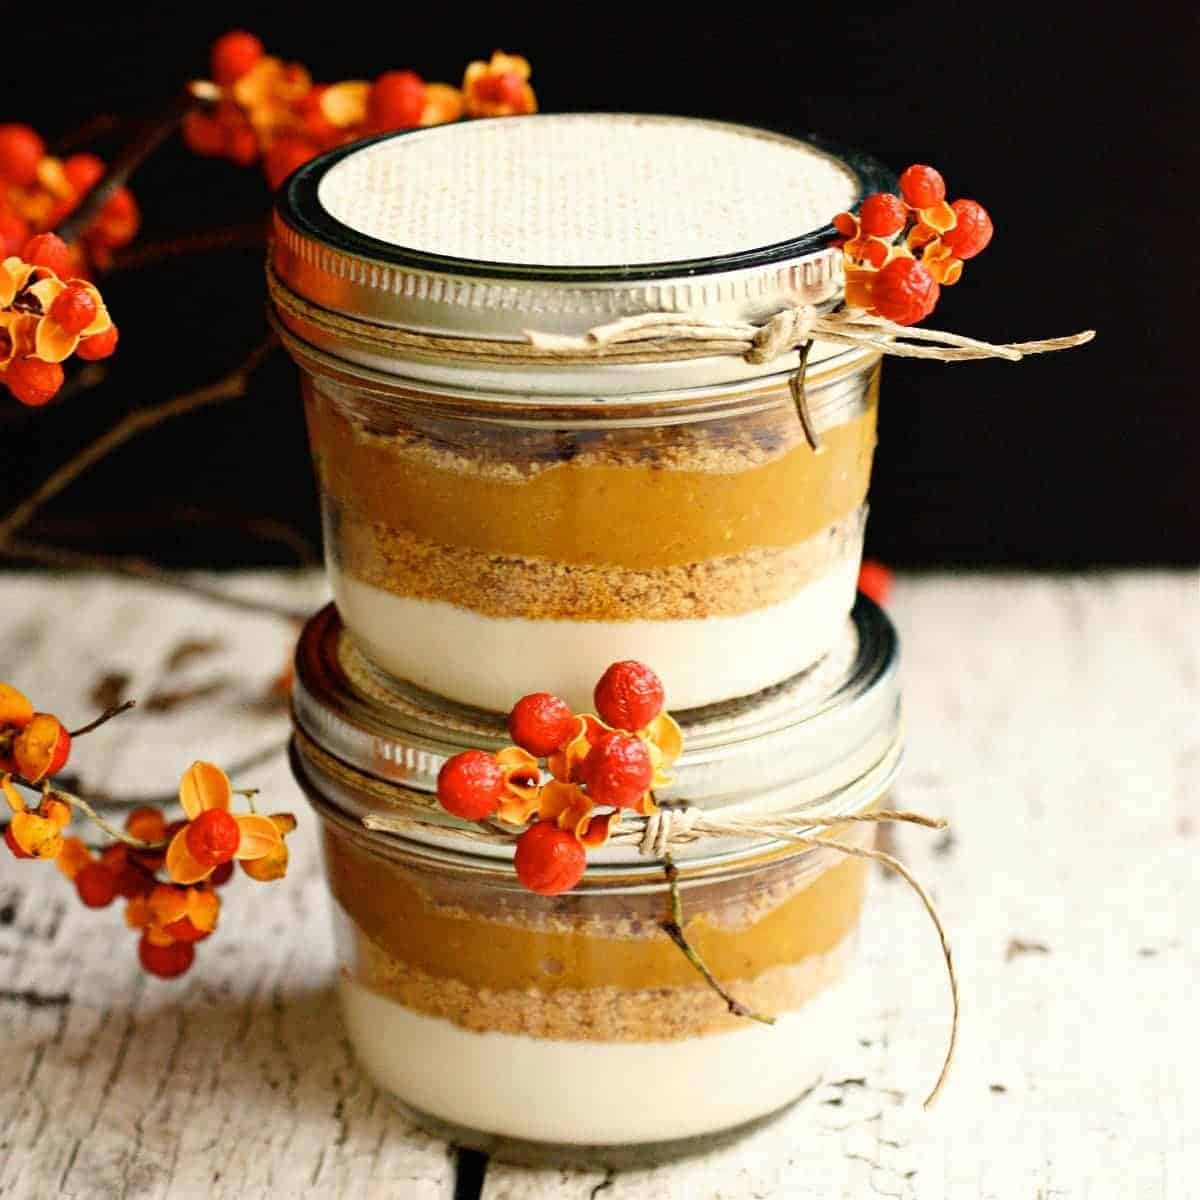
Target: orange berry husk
<point>272,865</point>
<point>15,848</point>
<point>73,857</point>
<point>146,823</point>
<point>15,708</point>
<point>42,748</point>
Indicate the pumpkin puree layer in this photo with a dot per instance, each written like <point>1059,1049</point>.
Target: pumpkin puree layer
<point>641,499</point>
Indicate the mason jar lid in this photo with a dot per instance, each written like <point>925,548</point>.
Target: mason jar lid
<point>561,222</point>
<point>834,731</point>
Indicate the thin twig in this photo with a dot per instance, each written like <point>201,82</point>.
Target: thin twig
<point>228,387</point>
<point>236,237</point>
<point>149,138</point>
<point>94,127</point>
<point>78,802</point>
<point>136,568</point>
<point>107,715</point>
<point>673,928</point>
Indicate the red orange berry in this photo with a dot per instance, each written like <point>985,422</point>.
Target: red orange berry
<point>396,101</point>
<point>50,251</point>
<point>204,134</point>
<point>629,696</point>
<point>846,225</point>
<point>542,724</point>
<point>922,186</point>
<point>285,156</point>
<point>83,171</point>
<point>618,770</point>
<point>14,233</point>
<point>74,308</point>
<point>166,962</point>
<point>147,823</point>
<point>221,875</point>
<point>470,785</point>
<point>875,581</point>
<point>96,885</point>
<point>32,381</point>
<point>883,215</point>
<point>904,291</point>
<point>213,837</point>
<point>21,150</point>
<point>233,54</point>
<point>99,345</point>
<point>972,231</point>
<point>502,87</point>
<point>549,860</point>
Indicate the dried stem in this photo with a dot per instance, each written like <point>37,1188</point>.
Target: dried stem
<point>149,138</point>
<point>250,236</point>
<point>136,568</point>
<point>107,715</point>
<point>229,387</point>
<point>94,127</point>
<point>673,928</point>
<point>81,805</point>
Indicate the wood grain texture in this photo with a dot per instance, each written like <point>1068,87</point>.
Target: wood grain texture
<point>1055,721</point>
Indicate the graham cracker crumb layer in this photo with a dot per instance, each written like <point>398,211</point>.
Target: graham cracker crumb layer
<point>602,1014</point>
<point>500,585</point>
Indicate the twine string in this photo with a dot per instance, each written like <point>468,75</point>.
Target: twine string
<point>653,337</point>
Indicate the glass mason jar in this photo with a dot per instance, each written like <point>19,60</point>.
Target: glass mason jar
<point>498,525</point>
<point>573,1028</point>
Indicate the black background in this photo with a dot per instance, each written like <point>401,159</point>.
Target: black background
<point>1078,134</point>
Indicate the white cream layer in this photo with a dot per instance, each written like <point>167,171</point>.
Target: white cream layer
<point>593,1093</point>
<point>489,661</point>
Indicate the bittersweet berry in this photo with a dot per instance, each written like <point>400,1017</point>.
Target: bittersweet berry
<point>32,381</point>
<point>83,171</point>
<point>922,186</point>
<point>549,860</point>
<point>875,581</point>
<point>166,962</point>
<point>629,696</point>
<point>213,837</point>
<point>204,134</point>
<point>883,215</point>
<point>618,770</point>
<point>96,885</point>
<point>503,87</point>
<point>74,308</point>
<point>470,785</point>
<point>21,150</point>
<point>147,823</point>
<point>233,54</point>
<point>99,345</point>
<point>285,155</point>
<point>221,875</point>
<point>184,931</point>
<point>972,231</point>
<point>542,724</point>
<point>50,251</point>
<point>396,101</point>
<point>904,291</point>
<point>14,233</point>
<point>42,748</point>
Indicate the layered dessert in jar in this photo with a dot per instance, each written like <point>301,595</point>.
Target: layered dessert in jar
<point>499,524</point>
<point>529,1024</point>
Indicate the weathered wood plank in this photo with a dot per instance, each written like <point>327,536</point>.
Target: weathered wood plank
<point>1054,720</point>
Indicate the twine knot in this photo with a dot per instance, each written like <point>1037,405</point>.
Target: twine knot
<point>663,826</point>
<point>784,331</point>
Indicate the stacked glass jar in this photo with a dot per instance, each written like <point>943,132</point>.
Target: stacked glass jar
<point>501,521</point>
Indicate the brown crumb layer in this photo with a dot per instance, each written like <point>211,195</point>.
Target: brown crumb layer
<point>605,1014</point>
<point>536,588</point>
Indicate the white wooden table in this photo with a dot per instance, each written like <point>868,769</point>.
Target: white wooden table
<point>1055,721</point>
